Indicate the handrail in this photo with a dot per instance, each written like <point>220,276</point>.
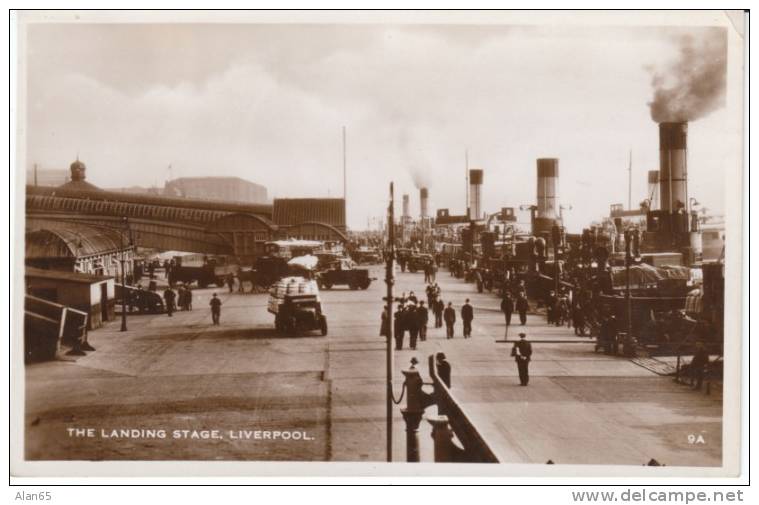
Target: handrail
<point>476,449</point>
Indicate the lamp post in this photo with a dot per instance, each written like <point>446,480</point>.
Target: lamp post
<point>125,222</point>
<point>390,281</point>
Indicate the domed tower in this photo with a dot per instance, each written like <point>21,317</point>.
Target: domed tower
<point>78,170</point>
<point>78,176</point>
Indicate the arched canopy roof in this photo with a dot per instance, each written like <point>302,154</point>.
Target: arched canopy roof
<point>306,230</point>
<point>72,240</point>
<point>240,221</point>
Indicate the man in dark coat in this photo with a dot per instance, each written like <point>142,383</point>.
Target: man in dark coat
<point>215,304</point>
<point>399,328</point>
<point>422,317</point>
<point>438,307</point>
<point>522,353</point>
<point>411,321</point>
<point>449,316</point>
<point>698,365</point>
<point>522,306</point>
<point>507,307</point>
<point>443,369</point>
<point>467,315</point>
<point>169,296</point>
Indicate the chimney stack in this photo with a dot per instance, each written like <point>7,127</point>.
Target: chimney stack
<point>405,216</point>
<point>475,194</point>
<point>423,198</point>
<point>673,166</point>
<point>546,214</point>
<point>653,189</point>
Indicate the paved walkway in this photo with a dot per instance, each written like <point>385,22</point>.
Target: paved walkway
<point>182,373</point>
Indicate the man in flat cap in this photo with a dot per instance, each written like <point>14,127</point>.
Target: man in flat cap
<point>522,353</point>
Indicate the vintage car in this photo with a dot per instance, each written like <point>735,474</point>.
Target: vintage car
<point>417,262</point>
<point>343,272</point>
<point>367,255</point>
<point>296,306</point>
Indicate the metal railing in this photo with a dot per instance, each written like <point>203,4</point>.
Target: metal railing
<point>456,438</point>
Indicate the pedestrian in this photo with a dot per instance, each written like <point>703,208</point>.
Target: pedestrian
<point>385,322</point>
<point>443,369</point>
<point>215,304</point>
<point>188,297</point>
<point>438,309</point>
<point>426,272</point>
<point>551,307</point>
<point>578,319</point>
<point>507,307</point>
<point>467,315</point>
<point>398,328</point>
<point>411,321</point>
<point>231,282</point>
<point>180,297</point>
<point>412,297</point>
<point>169,296</point>
<point>449,315</point>
<point>430,292</point>
<point>522,307</point>
<point>422,319</point>
<point>433,272</point>
<point>522,353</point>
<point>698,365</point>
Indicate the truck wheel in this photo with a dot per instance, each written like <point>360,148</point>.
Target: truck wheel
<point>202,284</point>
<point>366,283</point>
<point>327,285</point>
<point>353,286</point>
<point>324,326</point>
<point>412,270</point>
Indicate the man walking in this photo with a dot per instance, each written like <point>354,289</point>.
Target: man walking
<point>399,327</point>
<point>412,325</point>
<point>467,315</point>
<point>438,307</point>
<point>507,307</point>
<point>169,296</point>
<point>522,307</point>
<point>422,317</point>
<point>522,353</point>
<point>215,304</point>
<point>449,315</point>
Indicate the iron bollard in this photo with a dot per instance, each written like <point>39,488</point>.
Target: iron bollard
<point>443,438</point>
<point>416,401</point>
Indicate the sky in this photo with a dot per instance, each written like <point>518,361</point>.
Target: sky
<point>268,103</point>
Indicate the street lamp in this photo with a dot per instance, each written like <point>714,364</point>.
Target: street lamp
<point>127,229</point>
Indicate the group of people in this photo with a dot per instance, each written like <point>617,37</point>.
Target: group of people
<point>511,303</point>
<point>182,298</point>
<point>557,308</point>
<point>412,316</point>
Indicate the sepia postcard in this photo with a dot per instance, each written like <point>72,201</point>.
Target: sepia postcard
<point>377,243</point>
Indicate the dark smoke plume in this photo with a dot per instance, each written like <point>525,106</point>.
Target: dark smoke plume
<point>416,156</point>
<point>694,85</point>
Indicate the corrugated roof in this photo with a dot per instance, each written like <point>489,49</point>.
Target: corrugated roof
<point>40,273</point>
<point>79,186</point>
<point>292,211</point>
<point>52,239</point>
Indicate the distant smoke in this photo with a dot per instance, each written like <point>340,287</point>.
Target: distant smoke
<point>694,85</point>
<point>418,162</point>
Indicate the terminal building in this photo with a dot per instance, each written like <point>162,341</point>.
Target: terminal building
<point>226,189</point>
